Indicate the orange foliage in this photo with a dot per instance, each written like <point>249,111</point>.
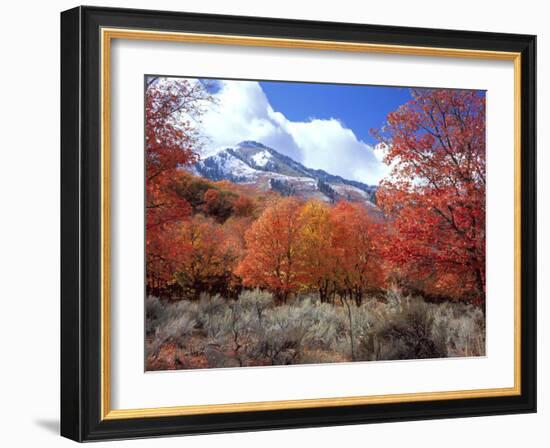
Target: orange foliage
<point>317,254</point>
<point>435,196</point>
<point>312,246</point>
<point>355,240</point>
<point>273,257</point>
<point>206,255</point>
<point>244,206</point>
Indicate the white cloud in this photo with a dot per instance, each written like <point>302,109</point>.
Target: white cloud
<point>243,112</point>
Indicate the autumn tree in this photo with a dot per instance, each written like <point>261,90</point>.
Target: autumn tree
<point>435,195</point>
<point>244,206</point>
<point>356,259</point>
<point>161,259</point>
<point>317,251</point>
<point>273,250</point>
<point>171,141</point>
<point>206,255</point>
<point>219,204</point>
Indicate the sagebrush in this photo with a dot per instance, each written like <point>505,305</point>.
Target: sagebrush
<point>255,330</point>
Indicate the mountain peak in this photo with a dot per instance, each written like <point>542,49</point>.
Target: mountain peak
<point>251,162</point>
<point>251,144</point>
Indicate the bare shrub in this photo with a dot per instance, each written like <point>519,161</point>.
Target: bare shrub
<point>462,328</point>
<point>254,330</point>
<point>154,314</point>
<point>168,323</point>
<point>209,307</point>
<point>408,334</point>
<point>410,328</point>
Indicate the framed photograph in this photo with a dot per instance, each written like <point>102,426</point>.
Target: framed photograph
<point>277,224</point>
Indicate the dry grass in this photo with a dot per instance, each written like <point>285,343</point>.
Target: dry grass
<point>253,331</point>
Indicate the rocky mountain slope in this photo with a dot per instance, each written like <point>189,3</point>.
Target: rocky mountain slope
<point>255,164</point>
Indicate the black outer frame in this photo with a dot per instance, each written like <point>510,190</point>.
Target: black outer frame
<point>80,224</point>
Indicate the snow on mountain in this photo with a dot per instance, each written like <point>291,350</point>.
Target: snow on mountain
<point>254,163</point>
<point>224,165</point>
<point>261,158</point>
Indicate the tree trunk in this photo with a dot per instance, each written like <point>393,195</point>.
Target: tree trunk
<point>351,336</point>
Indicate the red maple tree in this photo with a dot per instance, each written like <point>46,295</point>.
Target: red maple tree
<point>435,195</point>
<point>357,262</point>
<point>171,141</point>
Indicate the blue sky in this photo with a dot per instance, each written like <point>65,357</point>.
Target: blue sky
<point>358,107</point>
<point>323,126</point>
